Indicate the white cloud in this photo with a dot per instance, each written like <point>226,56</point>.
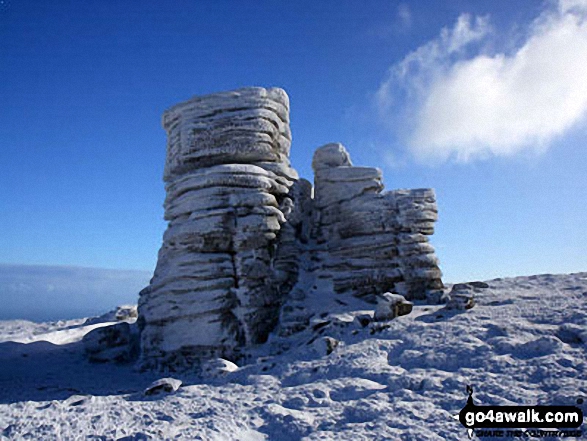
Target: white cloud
<point>465,103</point>
<point>570,5</point>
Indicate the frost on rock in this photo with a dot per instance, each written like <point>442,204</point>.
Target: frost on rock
<point>246,238</point>
<point>371,241</point>
<point>462,295</point>
<point>163,385</point>
<point>117,343</point>
<point>390,306</point>
<point>220,277</point>
<point>217,367</point>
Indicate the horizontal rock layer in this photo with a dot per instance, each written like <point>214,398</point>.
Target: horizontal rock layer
<point>245,126</point>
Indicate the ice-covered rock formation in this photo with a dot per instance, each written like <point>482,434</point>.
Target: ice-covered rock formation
<point>242,226</point>
<point>219,280</point>
<point>370,241</point>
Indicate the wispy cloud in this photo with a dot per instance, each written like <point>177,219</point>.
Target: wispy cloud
<point>404,15</point>
<point>400,22</point>
<point>466,103</point>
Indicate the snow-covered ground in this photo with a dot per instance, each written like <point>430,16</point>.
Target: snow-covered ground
<point>525,342</point>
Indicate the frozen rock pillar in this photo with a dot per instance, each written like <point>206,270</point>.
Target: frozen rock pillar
<point>416,215</point>
<point>227,177</point>
<point>371,241</point>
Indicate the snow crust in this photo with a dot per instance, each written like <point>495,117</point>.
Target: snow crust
<point>524,342</point>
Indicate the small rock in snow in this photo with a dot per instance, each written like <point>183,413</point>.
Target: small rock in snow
<point>325,345</point>
<point>461,287</point>
<point>363,319</point>
<point>390,306</point>
<point>461,297</point>
<point>460,301</point>
<point>437,297</point>
<point>480,285</point>
<point>163,385</point>
<point>79,400</point>
<point>126,312</point>
<point>217,367</point>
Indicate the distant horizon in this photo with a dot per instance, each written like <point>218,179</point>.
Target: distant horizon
<point>51,295</point>
<point>138,270</point>
<point>59,292</point>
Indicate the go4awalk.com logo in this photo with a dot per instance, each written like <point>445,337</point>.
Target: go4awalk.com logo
<point>521,421</point>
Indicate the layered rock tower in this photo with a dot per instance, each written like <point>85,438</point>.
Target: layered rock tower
<point>370,241</point>
<point>241,222</point>
<point>227,177</point>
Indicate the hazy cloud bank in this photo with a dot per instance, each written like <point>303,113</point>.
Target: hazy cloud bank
<point>38,292</point>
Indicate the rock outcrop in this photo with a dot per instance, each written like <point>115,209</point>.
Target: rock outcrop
<point>390,306</point>
<point>370,241</point>
<point>242,226</point>
<point>163,386</point>
<point>116,343</point>
<point>219,280</point>
<point>462,295</point>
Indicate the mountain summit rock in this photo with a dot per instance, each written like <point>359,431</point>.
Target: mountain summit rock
<point>246,234</point>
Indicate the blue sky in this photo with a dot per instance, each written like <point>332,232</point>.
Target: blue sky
<point>484,101</point>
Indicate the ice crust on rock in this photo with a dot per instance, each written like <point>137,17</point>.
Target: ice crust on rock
<point>163,385</point>
<point>390,306</point>
<point>246,237</point>
<point>228,180</point>
<point>371,241</point>
<point>115,343</point>
<point>217,367</point>
<point>462,295</point>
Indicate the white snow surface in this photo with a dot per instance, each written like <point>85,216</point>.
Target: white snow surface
<point>524,342</point>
